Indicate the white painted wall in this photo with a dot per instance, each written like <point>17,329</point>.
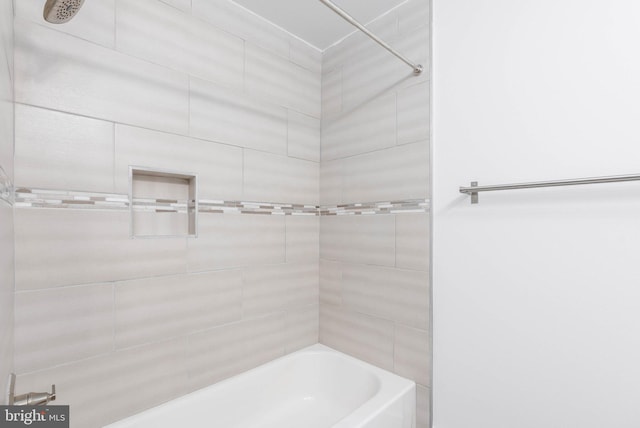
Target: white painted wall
<point>536,292</point>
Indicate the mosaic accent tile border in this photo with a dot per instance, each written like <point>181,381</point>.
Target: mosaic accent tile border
<point>374,208</point>
<point>6,188</point>
<point>42,198</point>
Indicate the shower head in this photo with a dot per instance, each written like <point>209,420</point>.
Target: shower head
<point>61,11</point>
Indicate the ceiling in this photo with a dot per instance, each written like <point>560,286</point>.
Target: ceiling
<point>314,22</point>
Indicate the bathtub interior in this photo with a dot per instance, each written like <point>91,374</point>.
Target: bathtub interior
<point>313,388</point>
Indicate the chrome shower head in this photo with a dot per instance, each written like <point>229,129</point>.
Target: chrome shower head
<point>61,11</point>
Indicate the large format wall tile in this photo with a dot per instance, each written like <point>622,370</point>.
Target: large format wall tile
<point>303,136</point>
<point>303,238</point>
<point>115,381</point>
<point>184,5</point>
<point>413,354</point>
<point>56,247</point>
<point>412,241</point>
<point>95,22</point>
<point>237,20</point>
<point>414,15</point>
<point>62,72</point>
<point>332,182</point>
<point>374,270</point>
<point>224,351</point>
<point>331,94</point>
<point>361,130</point>
<point>226,241</point>
<point>280,81</point>
<point>225,116</point>
<point>423,404</point>
<point>218,166</point>
<point>157,32</point>
<point>153,309</point>
<point>413,113</point>
<point>6,130</point>
<point>393,174</point>
<point>305,55</point>
<point>363,336</point>
<point>274,178</point>
<point>6,90</point>
<point>358,239</point>
<point>393,294</point>
<point>280,287</point>
<point>62,151</point>
<point>60,325</point>
<point>301,327</point>
<point>370,72</point>
<point>330,282</point>
<point>6,292</point>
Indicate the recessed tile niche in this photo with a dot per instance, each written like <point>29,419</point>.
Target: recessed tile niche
<point>163,203</point>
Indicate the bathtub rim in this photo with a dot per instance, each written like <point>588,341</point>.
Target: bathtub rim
<point>392,387</point>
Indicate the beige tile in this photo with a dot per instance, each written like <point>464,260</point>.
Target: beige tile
<point>160,224</point>
<point>225,116</point>
<point>164,35</point>
<point>266,339</point>
<point>108,388</point>
<point>413,15</point>
<point>358,239</point>
<point>305,55</point>
<point>6,125</point>
<point>413,241</point>
<point>216,354</point>
<point>62,325</point>
<point>331,94</point>
<point>225,351</point>
<point>184,5</point>
<point>397,173</point>
<point>423,407</point>
<point>365,337</point>
<point>274,178</point>
<point>232,240</point>
<point>280,287</point>
<point>62,151</point>
<point>389,293</point>
<point>413,114</point>
<point>62,72</point>
<point>370,72</point>
<point>236,20</point>
<point>218,166</point>
<point>301,327</point>
<point>96,20</point>
<point>362,129</point>
<point>6,292</point>
<point>153,309</point>
<point>332,182</point>
<point>303,238</point>
<point>56,247</point>
<point>275,79</point>
<point>412,357</point>
<point>303,137</point>
<point>330,282</point>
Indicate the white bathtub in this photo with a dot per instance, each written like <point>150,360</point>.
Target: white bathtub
<point>316,387</point>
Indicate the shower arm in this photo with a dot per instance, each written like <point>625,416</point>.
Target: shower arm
<point>417,68</point>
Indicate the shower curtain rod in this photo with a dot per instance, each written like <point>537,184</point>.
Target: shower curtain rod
<point>474,189</point>
<point>417,68</point>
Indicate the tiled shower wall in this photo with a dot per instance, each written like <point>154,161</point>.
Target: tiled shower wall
<point>198,86</point>
<point>6,200</point>
<point>374,270</point>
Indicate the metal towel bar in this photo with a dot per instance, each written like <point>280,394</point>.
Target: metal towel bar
<point>474,189</point>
